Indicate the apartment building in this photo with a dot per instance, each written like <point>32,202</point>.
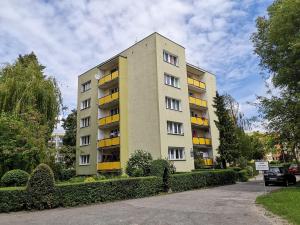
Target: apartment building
<point>146,97</point>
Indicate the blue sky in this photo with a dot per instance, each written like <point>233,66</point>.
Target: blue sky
<point>69,37</point>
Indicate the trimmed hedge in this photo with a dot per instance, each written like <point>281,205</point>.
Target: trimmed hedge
<point>243,175</point>
<point>14,178</point>
<point>195,180</point>
<point>74,194</point>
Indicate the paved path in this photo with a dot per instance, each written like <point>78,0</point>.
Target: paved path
<point>232,205</point>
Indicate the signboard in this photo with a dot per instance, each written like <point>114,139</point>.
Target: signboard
<point>262,165</point>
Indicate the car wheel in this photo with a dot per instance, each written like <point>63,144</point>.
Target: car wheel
<point>286,183</point>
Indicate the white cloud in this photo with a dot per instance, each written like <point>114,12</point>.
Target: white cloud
<point>69,37</point>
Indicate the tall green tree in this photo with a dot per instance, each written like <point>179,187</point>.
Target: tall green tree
<point>24,88</point>
<point>277,43</point>
<point>68,150</point>
<point>228,148</point>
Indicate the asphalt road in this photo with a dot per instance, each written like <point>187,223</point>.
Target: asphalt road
<point>232,205</point>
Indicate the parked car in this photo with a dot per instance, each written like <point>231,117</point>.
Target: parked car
<point>279,175</point>
<point>294,169</point>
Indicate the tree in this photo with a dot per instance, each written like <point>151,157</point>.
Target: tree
<point>25,88</point>
<point>68,150</point>
<point>70,126</point>
<point>228,148</point>
<point>139,163</point>
<point>277,43</point>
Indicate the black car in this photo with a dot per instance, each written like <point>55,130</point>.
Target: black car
<point>279,175</point>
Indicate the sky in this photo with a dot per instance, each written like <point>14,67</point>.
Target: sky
<point>69,37</point>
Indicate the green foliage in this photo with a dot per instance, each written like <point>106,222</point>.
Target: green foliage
<point>139,163</point>
<point>24,88</point>
<point>276,42</point>
<point>15,178</point>
<point>22,142</point>
<point>13,200</point>
<point>41,188</point>
<point>242,162</point>
<point>250,171</point>
<point>162,168</point>
<point>195,180</point>
<point>70,125</point>
<point>89,179</point>
<point>68,154</point>
<point>228,148</point>
<point>242,175</point>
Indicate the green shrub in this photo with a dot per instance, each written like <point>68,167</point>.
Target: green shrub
<point>237,169</point>
<point>140,160</point>
<point>15,178</point>
<point>89,179</point>
<point>67,174</point>
<point>77,179</point>
<point>250,171</point>
<point>195,180</point>
<point>255,172</point>
<point>41,189</point>
<point>242,175</point>
<point>99,177</point>
<point>242,162</point>
<point>162,168</point>
<point>13,199</point>
<point>137,172</point>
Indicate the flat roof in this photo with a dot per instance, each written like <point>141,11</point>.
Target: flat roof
<point>199,68</point>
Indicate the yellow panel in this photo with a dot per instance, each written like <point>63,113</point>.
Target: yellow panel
<point>101,81</point>
<point>115,75</point>
<point>109,166</point>
<point>196,83</point>
<point>201,141</point>
<point>202,85</point>
<point>198,102</point>
<point>101,143</point>
<point>115,141</point>
<point>115,118</point>
<point>190,81</point>
<point>194,120</point>
<point>200,121</point>
<point>102,121</point>
<point>115,96</point>
<point>204,103</point>
<point>195,141</point>
<point>108,119</point>
<point>107,142</point>
<point>101,101</point>
<point>107,78</point>
<point>205,122</point>
<point>207,141</point>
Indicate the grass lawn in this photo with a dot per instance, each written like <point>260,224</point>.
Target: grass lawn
<point>284,202</point>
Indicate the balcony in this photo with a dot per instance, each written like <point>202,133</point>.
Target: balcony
<point>208,161</point>
<point>196,85</point>
<point>108,142</point>
<point>109,100</point>
<point>202,141</point>
<point>197,103</point>
<point>109,80</point>
<point>198,121</point>
<point>109,121</point>
<point>106,166</point>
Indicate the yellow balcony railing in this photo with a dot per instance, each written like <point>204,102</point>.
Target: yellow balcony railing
<point>108,78</point>
<point>108,142</point>
<point>199,121</point>
<point>196,83</point>
<point>208,161</point>
<point>201,141</point>
<point>109,98</point>
<point>198,102</point>
<point>108,166</point>
<point>109,120</point>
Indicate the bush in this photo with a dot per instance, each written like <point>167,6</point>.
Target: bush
<point>195,180</point>
<point>162,168</point>
<point>140,160</point>
<point>15,178</point>
<point>242,175</point>
<point>89,179</point>
<point>13,199</point>
<point>242,162</point>
<point>41,188</point>
<point>67,174</point>
<point>250,171</point>
<point>237,169</point>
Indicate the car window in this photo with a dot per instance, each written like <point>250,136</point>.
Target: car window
<point>276,170</point>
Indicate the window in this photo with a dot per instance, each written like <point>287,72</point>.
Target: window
<point>176,153</point>
<point>114,111</point>
<point>86,104</point>
<point>174,128</point>
<point>172,103</point>
<point>84,160</point>
<point>169,58</point>
<point>85,122</point>
<point>85,140</point>
<point>171,80</point>
<point>114,90</point>
<point>86,86</point>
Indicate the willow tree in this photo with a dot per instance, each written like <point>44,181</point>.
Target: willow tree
<point>25,88</point>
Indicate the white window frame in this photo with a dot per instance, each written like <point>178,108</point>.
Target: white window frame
<point>84,160</point>
<point>85,104</point>
<point>83,141</point>
<point>172,81</point>
<point>175,128</point>
<point>85,122</point>
<point>168,57</point>
<point>173,104</point>
<point>86,86</point>
<point>176,153</point>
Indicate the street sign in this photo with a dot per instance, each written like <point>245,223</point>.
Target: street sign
<point>262,165</point>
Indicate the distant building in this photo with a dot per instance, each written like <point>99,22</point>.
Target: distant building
<point>56,141</point>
